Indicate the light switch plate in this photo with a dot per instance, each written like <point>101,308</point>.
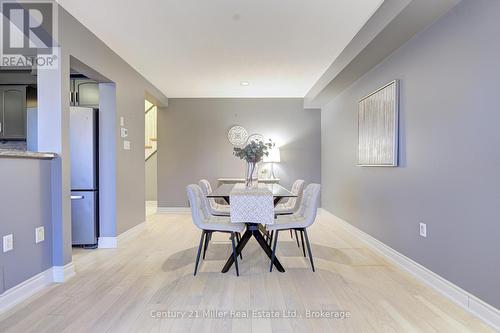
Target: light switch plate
<point>39,234</point>
<point>423,229</point>
<point>126,145</point>
<point>8,243</point>
<point>122,121</point>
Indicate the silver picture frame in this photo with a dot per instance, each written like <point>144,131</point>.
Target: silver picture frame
<point>378,127</point>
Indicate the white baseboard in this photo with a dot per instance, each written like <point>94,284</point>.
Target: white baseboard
<point>484,311</point>
<point>113,242</point>
<point>107,242</point>
<point>466,300</point>
<point>174,210</point>
<point>63,273</point>
<point>25,289</point>
<point>28,288</point>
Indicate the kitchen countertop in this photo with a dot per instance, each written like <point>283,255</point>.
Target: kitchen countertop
<point>4,153</point>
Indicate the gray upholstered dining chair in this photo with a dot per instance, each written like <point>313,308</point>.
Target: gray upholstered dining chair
<point>209,223</point>
<point>291,205</point>
<point>300,220</point>
<point>213,206</point>
<point>215,209</point>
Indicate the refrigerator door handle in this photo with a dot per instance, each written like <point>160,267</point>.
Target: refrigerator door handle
<point>77,197</point>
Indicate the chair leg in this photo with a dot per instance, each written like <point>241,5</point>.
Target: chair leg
<point>199,252</point>
<point>302,237</point>
<point>274,252</point>
<point>238,238</point>
<point>207,240</point>
<point>271,238</point>
<point>233,236</point>
<point>297,238</point>
<point>309,250</point>
<point>291,234</point>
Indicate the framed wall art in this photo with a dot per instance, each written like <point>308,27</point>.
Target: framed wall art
<point>378,127</point>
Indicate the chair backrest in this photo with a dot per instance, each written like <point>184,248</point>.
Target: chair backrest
<point>310,202</point>
<point>199,209</point>
<point>207,189</point>
<point>205,186</point>
<point>297,189</point>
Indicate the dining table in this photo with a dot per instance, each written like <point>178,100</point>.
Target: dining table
<point>255,230</point>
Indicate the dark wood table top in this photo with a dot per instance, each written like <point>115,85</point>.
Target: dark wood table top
<point>278,191</point>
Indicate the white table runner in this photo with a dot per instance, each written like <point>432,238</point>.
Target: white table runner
<point>251,205</point>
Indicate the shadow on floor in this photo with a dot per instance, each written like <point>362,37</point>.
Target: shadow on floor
<point>287,249</point>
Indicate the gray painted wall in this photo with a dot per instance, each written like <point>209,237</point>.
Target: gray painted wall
<point>193,141</point>
<point>38,191</point>
<point>52,132</point>
<point>152,178</point>
<point>25,204</point>
<point>107,160</point>
<point>131,89</point>
<point>449,152</point>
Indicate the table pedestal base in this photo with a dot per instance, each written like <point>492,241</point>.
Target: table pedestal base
<point>253,230</point>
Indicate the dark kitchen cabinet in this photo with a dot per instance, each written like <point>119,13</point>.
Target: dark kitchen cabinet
<point>12,112</point>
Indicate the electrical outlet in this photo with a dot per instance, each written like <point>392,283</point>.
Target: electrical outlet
<point>126,145</point>
<point>39,235</point>
<point>8,243</point>
<point>423,229</point>
<point>123,132</point>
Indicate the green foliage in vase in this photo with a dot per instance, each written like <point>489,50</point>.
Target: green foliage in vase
<point>254,151</point>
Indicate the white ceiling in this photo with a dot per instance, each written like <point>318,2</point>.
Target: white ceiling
<point>205,48</point>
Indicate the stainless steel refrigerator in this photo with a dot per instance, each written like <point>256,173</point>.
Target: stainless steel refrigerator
<point>84,175</point>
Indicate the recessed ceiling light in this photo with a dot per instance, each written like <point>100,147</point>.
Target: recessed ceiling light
<point>244,83</point>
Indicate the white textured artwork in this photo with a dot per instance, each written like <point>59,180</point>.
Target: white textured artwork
<point>237,135</point>
<point>256,138</point>
<point>378,127</point>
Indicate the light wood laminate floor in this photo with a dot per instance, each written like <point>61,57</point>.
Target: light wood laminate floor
<point>116,290</point>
